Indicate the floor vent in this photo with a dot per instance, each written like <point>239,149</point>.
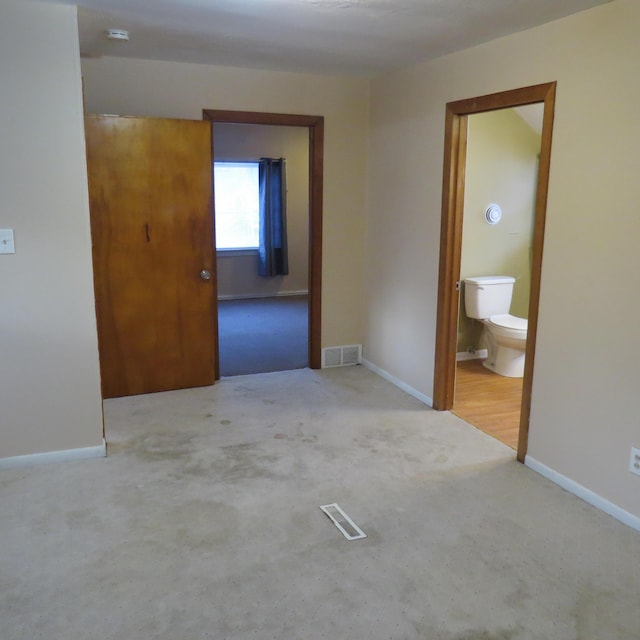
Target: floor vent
<point>341,356</point>
<point>349,529</point>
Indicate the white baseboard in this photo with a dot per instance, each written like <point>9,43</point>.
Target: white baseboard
<point>67,455</point>
<point>480,354</point>
<point>398,383</point>
<point>247,296</point>
<point>585,494</point>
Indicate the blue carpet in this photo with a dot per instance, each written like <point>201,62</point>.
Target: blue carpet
<point>260,335</point>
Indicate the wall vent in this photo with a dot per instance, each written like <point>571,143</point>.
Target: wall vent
<point>341,356</point>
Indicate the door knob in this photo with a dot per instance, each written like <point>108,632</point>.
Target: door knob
<point>205,274</point>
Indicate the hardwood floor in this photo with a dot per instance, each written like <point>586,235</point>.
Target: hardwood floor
<point>488,401</point>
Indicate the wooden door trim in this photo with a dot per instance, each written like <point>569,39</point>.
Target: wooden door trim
<point>456,122</point>
<point>315,125</point>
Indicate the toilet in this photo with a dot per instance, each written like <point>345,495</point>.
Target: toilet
<point>488,299</point>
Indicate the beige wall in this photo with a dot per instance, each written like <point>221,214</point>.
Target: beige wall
<point>502,153</point>
<point>238,274</point>
<point>165,89</point>
<point>584,416</point>
<point>49,375</point>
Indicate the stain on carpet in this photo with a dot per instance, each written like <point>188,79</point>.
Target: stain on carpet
<point>245,461</point>
<point>162,446</point>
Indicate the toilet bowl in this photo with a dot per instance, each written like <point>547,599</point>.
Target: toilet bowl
<point>506,338</point>
<point>488,299</point>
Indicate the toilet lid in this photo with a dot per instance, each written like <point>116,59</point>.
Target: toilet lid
<point>509,322</point>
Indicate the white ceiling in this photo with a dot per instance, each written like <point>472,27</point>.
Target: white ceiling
<point>353,37</point>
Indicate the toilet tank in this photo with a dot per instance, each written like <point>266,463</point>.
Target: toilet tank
<point>487,296</point>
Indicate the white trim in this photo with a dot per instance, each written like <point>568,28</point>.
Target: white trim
<point>278,294</point>
<point>398,383</point>
<point>66,455</point>
<point>585,494</point>
<point>480,354</point>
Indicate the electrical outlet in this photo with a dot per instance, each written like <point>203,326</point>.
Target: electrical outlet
<point>634,464</point>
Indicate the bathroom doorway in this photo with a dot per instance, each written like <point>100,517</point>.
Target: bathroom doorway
<point>501,172</point>
<point>455,152</point>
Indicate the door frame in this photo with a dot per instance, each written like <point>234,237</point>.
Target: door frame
<point>315,125</point>
<point>453,182</point>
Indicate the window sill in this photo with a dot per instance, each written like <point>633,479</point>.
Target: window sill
<point>235,253</point>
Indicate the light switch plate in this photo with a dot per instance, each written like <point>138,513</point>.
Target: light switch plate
<point>7,244</point>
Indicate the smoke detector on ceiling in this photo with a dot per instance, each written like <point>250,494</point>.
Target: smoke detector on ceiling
<point>117,34</point>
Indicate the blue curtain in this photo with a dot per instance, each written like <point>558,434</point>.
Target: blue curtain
<point>272,252</point>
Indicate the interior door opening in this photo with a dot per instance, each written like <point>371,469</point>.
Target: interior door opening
<point>501,171</point>
<point>310,305</point>
<point>262,317</point>
<point>453,195</point>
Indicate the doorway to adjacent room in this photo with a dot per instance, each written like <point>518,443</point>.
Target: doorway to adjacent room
<point>261,196</point>
<point>501,171</point>
<point>456,129</point>
<point>314,126</point>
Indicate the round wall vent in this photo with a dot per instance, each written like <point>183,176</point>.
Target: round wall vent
<point>493,214</point>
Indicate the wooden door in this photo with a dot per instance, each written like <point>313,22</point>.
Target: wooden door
<point>150,190</point>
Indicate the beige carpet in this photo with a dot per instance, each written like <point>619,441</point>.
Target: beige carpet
<point>203,522</point>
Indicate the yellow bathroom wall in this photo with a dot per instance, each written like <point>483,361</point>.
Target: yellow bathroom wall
<point>502,157</point>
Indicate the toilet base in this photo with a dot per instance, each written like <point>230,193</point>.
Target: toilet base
<point>506,361</point>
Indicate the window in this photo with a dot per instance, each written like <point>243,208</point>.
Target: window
<point>237,205</point>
